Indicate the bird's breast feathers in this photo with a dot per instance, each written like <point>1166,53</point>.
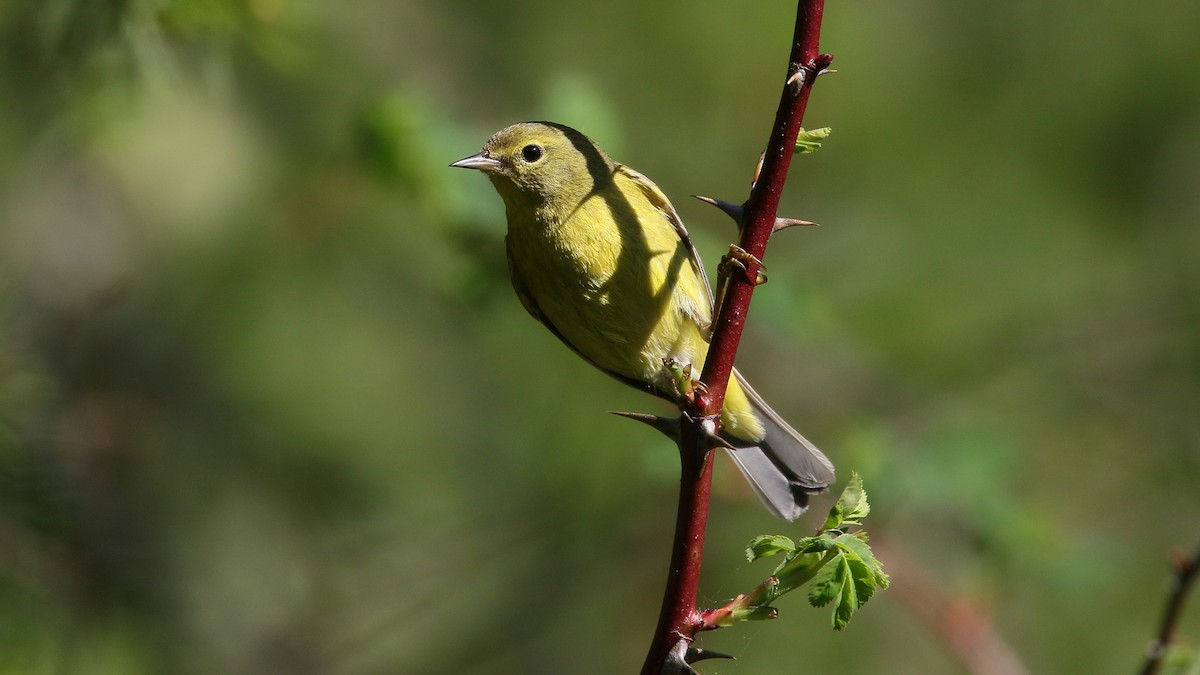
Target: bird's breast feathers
<point>614,278</point>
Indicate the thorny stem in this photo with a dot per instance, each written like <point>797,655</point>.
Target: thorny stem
<point>1186,572</point>
<point>758,217</point>
<point>679,619</point>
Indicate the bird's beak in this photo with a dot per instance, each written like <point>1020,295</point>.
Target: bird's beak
<point>482,161</point>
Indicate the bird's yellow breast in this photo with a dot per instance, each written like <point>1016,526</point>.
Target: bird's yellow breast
<point>613,276</point>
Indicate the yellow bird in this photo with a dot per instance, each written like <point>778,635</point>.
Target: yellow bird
<point>597,253</point>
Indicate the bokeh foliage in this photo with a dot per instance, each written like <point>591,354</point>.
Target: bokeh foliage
<point>268,405</point>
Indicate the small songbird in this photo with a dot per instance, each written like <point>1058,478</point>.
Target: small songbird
<point>597,253</point>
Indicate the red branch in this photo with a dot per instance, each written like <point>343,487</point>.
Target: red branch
<point>679,618</point>
<point>761,209</point>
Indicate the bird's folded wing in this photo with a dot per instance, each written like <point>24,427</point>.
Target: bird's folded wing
<point>660,201</point>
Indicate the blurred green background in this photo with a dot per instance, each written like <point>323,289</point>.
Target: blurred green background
<point>269,405</point>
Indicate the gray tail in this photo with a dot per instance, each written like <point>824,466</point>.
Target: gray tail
<point>784,468</point>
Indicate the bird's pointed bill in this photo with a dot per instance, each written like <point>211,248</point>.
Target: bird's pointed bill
<point>480,161</point>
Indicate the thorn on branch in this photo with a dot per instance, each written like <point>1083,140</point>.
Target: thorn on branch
<point>669,427</point>
<point>676,662</point>
<point>785,223</point>
<point>729,208</point>
<point>695,654</point>
<point>734,211</point>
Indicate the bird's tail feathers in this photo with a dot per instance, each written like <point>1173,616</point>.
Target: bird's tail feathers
<point>783,468</point>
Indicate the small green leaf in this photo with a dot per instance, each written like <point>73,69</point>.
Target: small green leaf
<point>851,506</point>
<point>847,605</point>
<point>854,500</point>
<point>862,550</point>
<point>768,545</point>
<point>827,584</point>
<point>863,584</point>
<point>834,520</point>
<point>821,542</point>
<point>810,141</point>
<point>851,577</point>
<point>837,582</point>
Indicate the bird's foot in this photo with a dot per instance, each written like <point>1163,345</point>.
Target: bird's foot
<point>738,258</point>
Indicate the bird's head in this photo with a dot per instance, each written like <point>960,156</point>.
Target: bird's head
<point>541,162</point>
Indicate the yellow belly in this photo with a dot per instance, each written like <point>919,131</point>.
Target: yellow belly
<point>617,282</point>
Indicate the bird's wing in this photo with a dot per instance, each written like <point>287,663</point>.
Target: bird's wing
<point>660,202</point>
<point>531,306</point>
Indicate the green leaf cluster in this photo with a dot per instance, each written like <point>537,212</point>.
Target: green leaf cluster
<point>838,563</point>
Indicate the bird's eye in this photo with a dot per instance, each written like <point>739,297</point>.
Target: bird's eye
<point>531,153</point>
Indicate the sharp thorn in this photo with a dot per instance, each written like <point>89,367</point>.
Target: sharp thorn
<point>695,654</point>
<point>732,210</point>
<point>668,426</point>
<point>711,438</point>
<point>718,442</point>
<point>785,223</point>
<point>676,662</point>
